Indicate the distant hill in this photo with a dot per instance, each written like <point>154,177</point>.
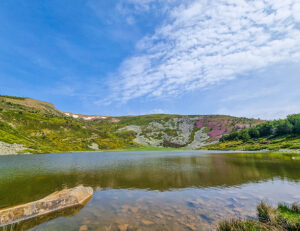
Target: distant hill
<point>271,135</point>
<point>32,105</point>
<point>29,125</point>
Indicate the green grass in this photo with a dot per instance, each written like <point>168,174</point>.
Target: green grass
<point>290,216</point>
<point>43,132</point>
<point>151,148</point>
<point>291,142</point>
<point>147,148</point>
<point>284,217</point>
<point>243,225</point>
<point>137,148</point>
<point>13,97</point>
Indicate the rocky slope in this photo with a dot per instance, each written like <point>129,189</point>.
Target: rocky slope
<point>28,125</point>
<point>186,131</point>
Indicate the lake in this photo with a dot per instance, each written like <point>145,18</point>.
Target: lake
<point>152,190</point>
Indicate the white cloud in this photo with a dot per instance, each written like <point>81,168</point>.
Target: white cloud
<point>296,11</point>
<point>263,111</point>
<point>206,42</point>
<point>158,111</point>
<point>270,94</point>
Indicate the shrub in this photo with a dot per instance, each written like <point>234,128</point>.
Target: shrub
<point>295,121</point>
<point>284,218</point>
<point>283,127</point>
<point>264,212</point>
<point>289,216</point>
<point>296,208</point>
<point>244,135</point>
<point>242,225</point>
<point>266,129</point>
<point>254,132</point>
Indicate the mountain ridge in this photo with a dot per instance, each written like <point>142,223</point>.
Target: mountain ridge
<point>40,128</point>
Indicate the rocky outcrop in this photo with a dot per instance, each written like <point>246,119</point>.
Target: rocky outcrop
<point>7,149</point>
<point>200,140</point>
<point>191,132</point>
<point>94,146</point>
<point>177,131</point>
<point>184,127</point>
<point>57,201</point>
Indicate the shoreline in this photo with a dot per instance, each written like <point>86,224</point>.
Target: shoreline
<point>291,151</point>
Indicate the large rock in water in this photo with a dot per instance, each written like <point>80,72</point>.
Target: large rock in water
<point>54,202</point>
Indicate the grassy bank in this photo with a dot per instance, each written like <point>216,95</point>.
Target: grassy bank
<point>286,142</point>
<point>139,148</point>
<point>284,217</point>
<point>150,148</point>
<point>271,135</point>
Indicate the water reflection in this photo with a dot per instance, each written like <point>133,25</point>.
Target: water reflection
<point>33,222</point>
<point>28,178</point>
<point>177,210</point>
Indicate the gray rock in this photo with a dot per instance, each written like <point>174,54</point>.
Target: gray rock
<point>156,132</point>
<point>54,202</point>
<point>94,146</point>
<point>10,149</point>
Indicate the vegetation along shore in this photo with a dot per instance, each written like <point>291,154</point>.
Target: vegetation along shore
<point>32,126</point>
<point>284,217</point>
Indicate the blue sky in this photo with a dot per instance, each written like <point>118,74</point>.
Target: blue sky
<point>125,57</point>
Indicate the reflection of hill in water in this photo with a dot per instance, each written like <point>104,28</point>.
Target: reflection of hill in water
<point>153,173</point>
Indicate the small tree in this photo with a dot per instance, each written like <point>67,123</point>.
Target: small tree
<point>297,127</point>
<point>284,127</point>
<point>254,132</point>
<point>266,129</point>
<point>295,121</point>
<point>244,135</point>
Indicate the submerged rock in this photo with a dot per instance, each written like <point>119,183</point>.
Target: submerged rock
<point>57,201</point>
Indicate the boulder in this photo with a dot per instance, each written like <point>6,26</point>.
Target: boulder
<point>56,201</point>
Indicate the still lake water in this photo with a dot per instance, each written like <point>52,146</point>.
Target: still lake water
<point>159,190</point>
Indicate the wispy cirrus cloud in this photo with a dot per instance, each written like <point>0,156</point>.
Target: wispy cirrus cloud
<point>202,43</point>
<point>268,112</point>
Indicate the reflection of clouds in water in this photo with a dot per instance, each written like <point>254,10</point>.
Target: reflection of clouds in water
<point>134,170</point>
<point>153,190</point>
<point>185,209</point>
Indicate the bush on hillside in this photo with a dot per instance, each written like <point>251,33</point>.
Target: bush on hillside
<point>277,128</point>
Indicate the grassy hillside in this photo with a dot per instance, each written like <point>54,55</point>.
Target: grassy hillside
<point>42,128</point>
<point>271,135</point>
